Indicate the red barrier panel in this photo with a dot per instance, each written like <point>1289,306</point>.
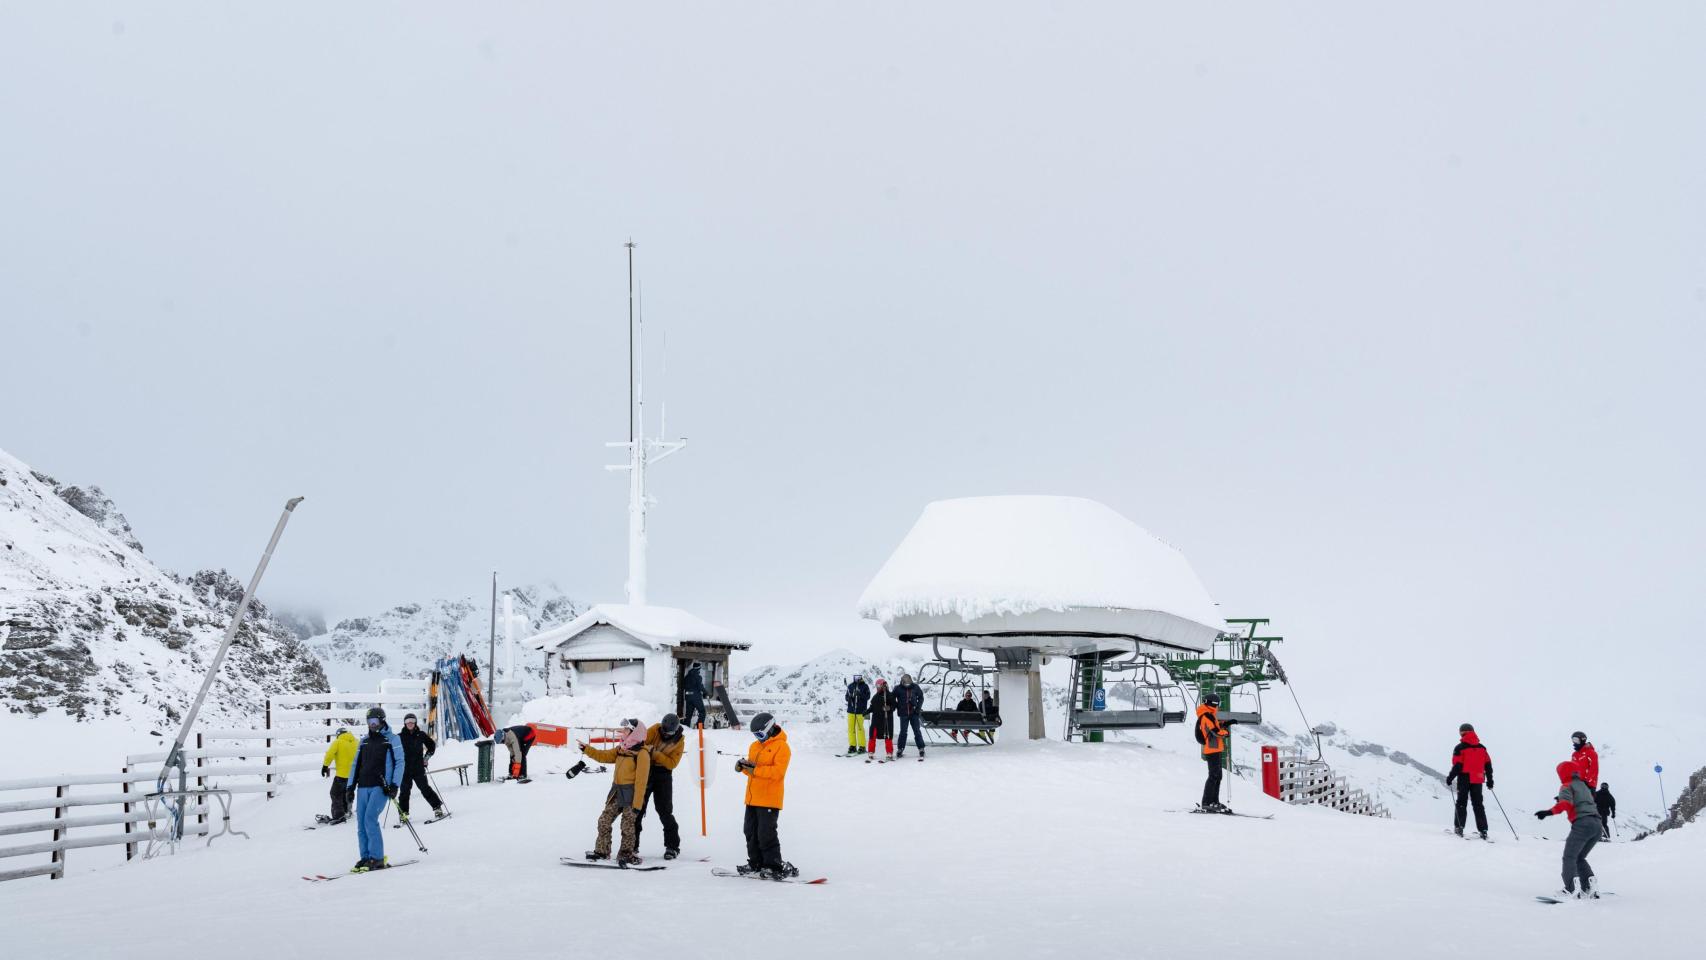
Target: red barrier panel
<point>1271,772</point>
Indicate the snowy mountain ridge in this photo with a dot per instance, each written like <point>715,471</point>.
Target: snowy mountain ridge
<point>91,628</point>
<point>406,640</point>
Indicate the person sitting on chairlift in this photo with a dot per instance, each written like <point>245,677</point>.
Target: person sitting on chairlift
<point>967,704</point>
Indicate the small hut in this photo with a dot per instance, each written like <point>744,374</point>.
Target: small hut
<point>644,650</point>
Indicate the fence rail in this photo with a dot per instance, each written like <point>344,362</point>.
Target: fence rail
<point>1295,779</point>
<point>281,747</point>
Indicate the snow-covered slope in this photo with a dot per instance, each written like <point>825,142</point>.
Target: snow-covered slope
<point>407,639</point>
<point>91,628</point>
<point>1036,852</point>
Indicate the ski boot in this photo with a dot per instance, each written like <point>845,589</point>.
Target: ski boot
<point>863,750</point>
<point>1457,830</point>
<point>671,854</point>
<point>1484,836</point>
<point>1590,890</point>
<point>852,750</point>
<point>380,864</point>
<point>362,866</point>
<point>594,855</point>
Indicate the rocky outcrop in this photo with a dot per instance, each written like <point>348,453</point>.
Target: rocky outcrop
<point>92,629</point>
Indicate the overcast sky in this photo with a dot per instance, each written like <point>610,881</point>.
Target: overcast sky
<point>1391,319</point>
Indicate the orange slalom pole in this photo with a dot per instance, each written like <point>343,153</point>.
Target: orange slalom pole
<point>701,726</point>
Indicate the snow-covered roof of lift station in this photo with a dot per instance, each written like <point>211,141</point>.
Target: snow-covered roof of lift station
<point>658,627</point>
<point>1049,573</point>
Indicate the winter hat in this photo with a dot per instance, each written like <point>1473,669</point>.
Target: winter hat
<point>1212,699</point>
<point>881,682</point>
<point>340,731</point>
<point>1568,769</point>
<point>669,724</point>
<point>634,738</point>
<point>1466,728</point>
<point>906,678</point>
<point>409,716</point>
<point>376,713</point>
<point>763,725</point>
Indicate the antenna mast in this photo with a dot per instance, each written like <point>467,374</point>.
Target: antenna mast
<point>641,452</point>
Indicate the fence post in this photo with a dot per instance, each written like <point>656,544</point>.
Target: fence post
<point>200,783</point>
<point>129,848</point>
<point>269,747</point>
<point>58,813</point>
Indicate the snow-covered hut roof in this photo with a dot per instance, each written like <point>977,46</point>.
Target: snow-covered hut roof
<point>657,627</point>
<point>1031,568</point>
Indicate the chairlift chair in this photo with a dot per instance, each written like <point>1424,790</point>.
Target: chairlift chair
<point>1155,698</point>
<point>949,676</point>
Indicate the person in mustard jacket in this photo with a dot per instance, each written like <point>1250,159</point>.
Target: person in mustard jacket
<point>627,797</point>
<point>765,767</point>
<point>339,757</point>
<point>666,740</point>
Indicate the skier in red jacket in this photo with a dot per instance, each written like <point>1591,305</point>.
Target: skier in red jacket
<point>1586,759</point>
<point>1470,767</point>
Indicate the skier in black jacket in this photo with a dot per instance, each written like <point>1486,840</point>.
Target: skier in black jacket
<point>418,748</point>
<point>858,702</point>
<point>1607,805</point>
<point>693,691</point>
<point>908,706</point>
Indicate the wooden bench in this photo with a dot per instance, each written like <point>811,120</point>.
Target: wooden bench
<point>460,768</point>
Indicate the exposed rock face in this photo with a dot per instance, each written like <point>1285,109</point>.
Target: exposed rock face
<point>1688,805</point>
<point>91,628</point>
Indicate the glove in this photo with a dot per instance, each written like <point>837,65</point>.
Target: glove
<point>325,771</point>
<point>1450,778</point>
<point>1542,814</point>
<point>1489,783</point>
<point>390,791</point>
<point>350,796</point>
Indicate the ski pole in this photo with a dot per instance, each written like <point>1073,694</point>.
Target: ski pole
<point>1502,813</point>
<point>411,827</point>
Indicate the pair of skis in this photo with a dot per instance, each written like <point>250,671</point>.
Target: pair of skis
<point>1225,813</point>
<point>322,878</point>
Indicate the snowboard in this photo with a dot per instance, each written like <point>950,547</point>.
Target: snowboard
<point>609,865</point>
<point>322,878</point>
<point>725,872</point>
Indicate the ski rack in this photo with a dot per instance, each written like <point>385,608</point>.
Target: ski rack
<point>1156,698</point>
<point>950,673</point>
<point>158,805</point>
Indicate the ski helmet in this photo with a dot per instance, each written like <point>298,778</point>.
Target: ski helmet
<point>1212,699</point>
<point>1466,728</point>
<point>376,713</point>
<point>669,724</point>
<point>1579,737</point>
<point>763,725</point>
<point>409,716</point>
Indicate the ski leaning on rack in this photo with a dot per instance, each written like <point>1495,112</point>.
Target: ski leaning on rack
<point>725,872</point>
<point>602,865</point>
<point>322,878</point>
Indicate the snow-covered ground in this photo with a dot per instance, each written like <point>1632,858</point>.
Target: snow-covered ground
<point>1037,849</point>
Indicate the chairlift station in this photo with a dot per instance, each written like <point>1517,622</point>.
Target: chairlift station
<point>1028,578</point>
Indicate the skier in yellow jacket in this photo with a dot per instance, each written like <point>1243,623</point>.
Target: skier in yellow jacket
<point>627,797</point>
<point>339,756</point>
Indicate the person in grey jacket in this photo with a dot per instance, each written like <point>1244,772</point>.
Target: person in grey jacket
<point>1576,800</point>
